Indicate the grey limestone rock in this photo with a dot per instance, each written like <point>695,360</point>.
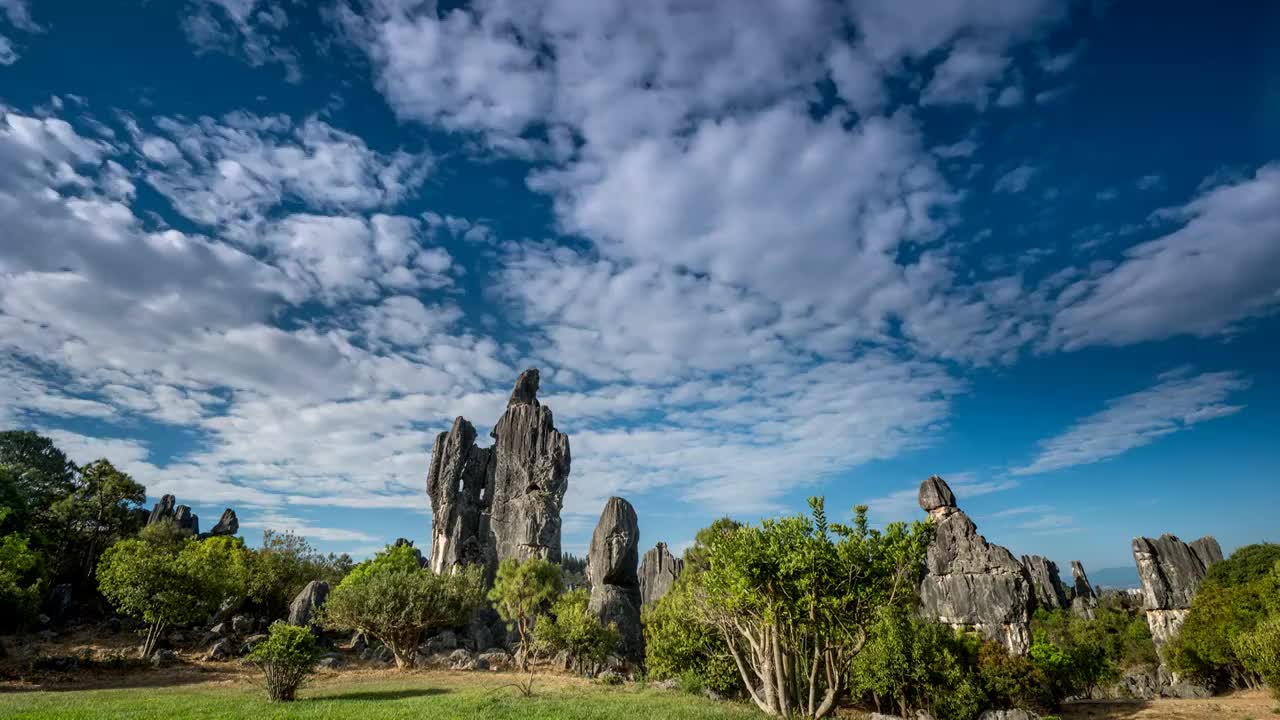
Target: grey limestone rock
<point>1171,572</point>
<point>186,520</point>
<point>658,572</point>
<point>969,582</point>
<point>1046,583</point>
<point>1084,599</point>
<point>611,568</point>
<point>163,510</point>
<point>228,524</point>
<point>490,504</point>
<point>311,598</point>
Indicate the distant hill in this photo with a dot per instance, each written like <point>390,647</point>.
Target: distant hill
<point>1115,577</point>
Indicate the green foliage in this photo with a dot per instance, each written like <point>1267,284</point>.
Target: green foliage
<point>1247,564</point>
<point>1012,681</point>
<point>570,628</point>
<point>794,597</point>
<point>393,599</point>
<point>284,565</point>
<point>1259,651</point>
<point>573,570</point>
<point>286,658</point>
<point>1204,647</point>
<point>21,580</point>
<point>169,583</point>
<point>679,646</point>
<point>522,590</point>
<point>697,556</point>
<point>97,512</point>
<point>1079,653</point>
<point>910,664</point>
<point>41,473</point>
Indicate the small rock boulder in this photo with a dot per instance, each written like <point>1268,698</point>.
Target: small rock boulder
<point>446,640</point>
<point>251,642</point>
<point>496,659</point>
<point>303,608</point>
<point>164,658</point>
<point>228,524</point>
<point>221,650</point>
<point>242,625</point>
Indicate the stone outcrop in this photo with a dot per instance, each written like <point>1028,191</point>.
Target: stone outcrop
<point>228,524</point>
<point>186,520</point>
<point>460,485</point>
<point>490,504</point>
<point>1084,600</point>
<point>658,572</point>
<point>302,610</point>
<point>970,583</point>
<point>1046,583</point>
<point>1171,572</point>
<point>611,568</point>
<point>163,510</point>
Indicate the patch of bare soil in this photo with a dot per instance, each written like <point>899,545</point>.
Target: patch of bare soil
<point>1246,705</point>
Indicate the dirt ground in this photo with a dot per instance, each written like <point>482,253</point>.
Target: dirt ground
<point>1249,705</point>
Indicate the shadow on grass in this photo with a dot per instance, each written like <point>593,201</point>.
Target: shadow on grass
<point>381,694</point>
<point>111,680</point>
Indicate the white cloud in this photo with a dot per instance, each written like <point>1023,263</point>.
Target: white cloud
<point>278,522</point>
<point>967,76</point>
<point>250,29</point>
<point>8,55</point>
<point>18,13</point>
<point>1178,402</point>
<point>1226,248</point>
<point>1015,180</point>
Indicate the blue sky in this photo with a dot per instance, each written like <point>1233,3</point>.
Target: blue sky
<point>259,252</point>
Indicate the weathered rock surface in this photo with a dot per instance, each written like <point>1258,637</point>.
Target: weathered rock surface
<point>971,583</point>
<point>228,524</point>
<point>163,510</point>
<point>1046,583</point>
<point>1084,599</point>
<point>460,485</point>
<point>658,572</point>
<point>310,599</point>
<point>1171,572</point>
<point>186,520</point>
<point>490,504</point>
<point>611,568</point>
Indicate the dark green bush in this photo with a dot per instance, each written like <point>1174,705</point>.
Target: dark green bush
<point>286,658</point>
<point>571,629</point>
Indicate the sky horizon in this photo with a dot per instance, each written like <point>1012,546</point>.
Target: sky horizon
<point>258,253</point>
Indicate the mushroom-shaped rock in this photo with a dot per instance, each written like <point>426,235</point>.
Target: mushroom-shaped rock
<point>611,567</point>
<point>970,583</point>
<point>303,609</point>
<point>228,524</point>
<point>658,572</point>
<point>935,494</point>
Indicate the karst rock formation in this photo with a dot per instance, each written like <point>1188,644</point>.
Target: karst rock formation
<point>490,504</point>
<point>185,519</point>
<point>658,572</point>
<point>1171,572</point>
<point>970,583</point>
<point>1084,599</point>
<point>611,569</point>
<point>1046,582</point>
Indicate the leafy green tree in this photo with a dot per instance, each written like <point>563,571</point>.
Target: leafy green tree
<point>97,512</point>
<point>43,472</point>
<point>793,599</point>
<point>1259,652</point>
<point>21,579</point>
<point>680,646</point>
<point>521,591</point>
<point>571,629</point>
<point>167,583</point>
<point>1237,595</point>
<point>284,564</point>
<point>286,658</point>
<point>393,599</point>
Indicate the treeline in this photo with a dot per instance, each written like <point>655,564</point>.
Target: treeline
<point>74,542</point>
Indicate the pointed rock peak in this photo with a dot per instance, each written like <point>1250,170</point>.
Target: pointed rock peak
<point>935,494</point>
<point>526,390</point>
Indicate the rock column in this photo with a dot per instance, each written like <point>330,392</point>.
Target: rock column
<point>611,568</point>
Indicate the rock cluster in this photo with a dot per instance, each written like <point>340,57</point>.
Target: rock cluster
<point>490,504</point>
<point>970,583</point>
<point>1171,572</point>
<point>310,599</point>
<point>184,519</point>
<point>611,568</point>
<point>658,572</point>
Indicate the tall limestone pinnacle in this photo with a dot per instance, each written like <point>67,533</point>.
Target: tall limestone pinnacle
<point>971,583</point>
<point>490,504</point>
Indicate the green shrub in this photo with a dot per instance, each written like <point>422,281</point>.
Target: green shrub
<point>521,591</point>
<point>284,565</point>
<point>1259,651</point>
<point>571,629</point>
<point>396,601</point>
<point>1249,563</point>
<point>286,658</point>
<point>679,646</point>
<point>21,580</point>
<point>1204,647</point>
<point>1012,681</point>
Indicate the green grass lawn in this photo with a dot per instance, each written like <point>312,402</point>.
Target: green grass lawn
<point>417,696</point>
